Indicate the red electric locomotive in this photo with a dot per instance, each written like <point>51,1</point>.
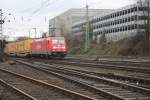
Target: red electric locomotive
<point>49,47</point>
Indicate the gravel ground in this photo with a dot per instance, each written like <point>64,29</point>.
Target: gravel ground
<point>24,70</point>
<point>101,70</point>
<point>32,89</point>
<point>5,94</point>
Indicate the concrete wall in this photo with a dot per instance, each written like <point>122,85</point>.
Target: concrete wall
<point>116,24</point>
<point>64,22</point>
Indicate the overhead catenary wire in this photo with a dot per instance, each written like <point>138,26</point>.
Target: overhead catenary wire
<point>45,4</point>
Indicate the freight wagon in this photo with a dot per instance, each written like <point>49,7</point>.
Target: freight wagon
<point>23,48</point>
<point>10,49</point>
<point>19,48</point>
<point>43,47</point>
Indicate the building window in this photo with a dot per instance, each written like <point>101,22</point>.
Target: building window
<point>111,16</point>
<point>126,20</point>
<point>118,29</point>
<point>132,27</point>
<point>123,12</point>
<point>121,20</point>
<point>115,29</point>
<point>132,10</point>
<point>135,26</point>
<point>101,25</point>
<point>142,8</point>
<point>126,28</point>
<point>97,26</point>
<point>129,28</point>
<point>117,14</point>
<point>135,9</point>
<point>129,19</point>
<point>129,11</point>
<point>132,18</point>
<point>126,11</point>
<point>121,29</point>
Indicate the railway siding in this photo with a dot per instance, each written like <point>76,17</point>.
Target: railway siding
<point>20,95</point>
<point>69,94</point>
<point>92,79</point>
<point>50,78</point>
<point>106,66</point>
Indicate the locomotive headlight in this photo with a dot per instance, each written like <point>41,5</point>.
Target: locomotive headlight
<point>54,47</point>
<point>63,47</point>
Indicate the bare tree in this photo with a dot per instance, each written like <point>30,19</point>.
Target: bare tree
<point>44,35</point>
<point>103,40</point>
<point>144,6</point>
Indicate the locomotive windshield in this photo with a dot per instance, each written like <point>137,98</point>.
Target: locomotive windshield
<point>58,41</point>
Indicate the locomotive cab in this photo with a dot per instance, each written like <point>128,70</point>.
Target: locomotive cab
<point>57,46</point>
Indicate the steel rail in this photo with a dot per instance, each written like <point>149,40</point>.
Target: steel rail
<point>108,95</point>
<point>126,58</point>
<point>104,66</point>
<point>115,83</point>
<point>72,94</point>
<point>113,76</point>
<point>111,62</point>
<point>59,69</point>
<point>126,86</point>
<point>138,81</point>
<point>22,94</point>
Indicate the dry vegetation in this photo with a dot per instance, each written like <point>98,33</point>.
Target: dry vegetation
<point>133,46</point>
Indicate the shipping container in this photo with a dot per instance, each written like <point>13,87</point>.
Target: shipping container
<point>23,47</point>
<point>10,49</point>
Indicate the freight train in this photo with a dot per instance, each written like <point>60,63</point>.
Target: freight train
<point>42,47</point>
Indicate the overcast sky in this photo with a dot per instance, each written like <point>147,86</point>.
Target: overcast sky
<point>27,14</point>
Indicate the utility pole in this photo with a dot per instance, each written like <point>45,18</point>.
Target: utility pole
<point>52,30</point>
<point>87,40</point>
<point>29,33</point>
<point>54,26</point>
<point>1,22</point>
<point>148,27</point>
<point>146,13</point>
<point>2,41</point>
<point>35,29</point>
<point>1,28</point>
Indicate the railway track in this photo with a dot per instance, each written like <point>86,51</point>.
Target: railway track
<point>139,79</point>
<point>39,89</point>
<point>115,89</point>
<point>111,62</point>
<point>129,71</point>
<point>78,86</point>
<point>99,65</point>
<point>108,63</point>
<point>55,80</point>
<point>112,58</point>
<point>9,92</point>
<point>142,82</point>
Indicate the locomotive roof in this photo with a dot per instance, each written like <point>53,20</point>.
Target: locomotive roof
<point>48,38</point>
